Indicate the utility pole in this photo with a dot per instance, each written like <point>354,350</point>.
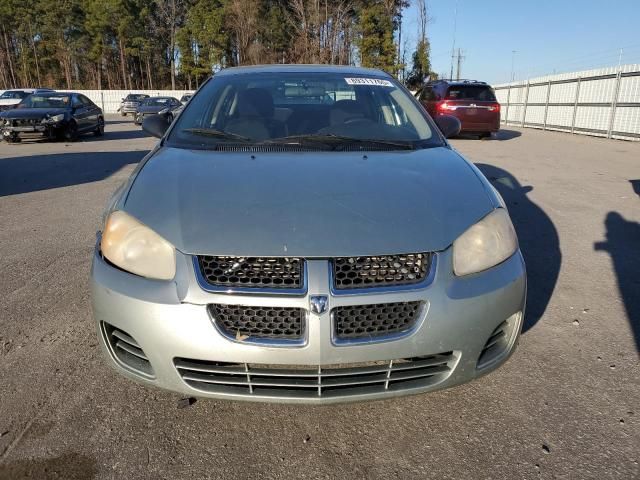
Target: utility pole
<point>460,57</point>
<point>513,57</point>
<point>453,44</point>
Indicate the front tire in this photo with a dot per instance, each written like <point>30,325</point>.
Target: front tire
<point>71,132</point>
<point>99,131</point>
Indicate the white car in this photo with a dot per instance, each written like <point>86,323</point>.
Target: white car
<point>10,98</point>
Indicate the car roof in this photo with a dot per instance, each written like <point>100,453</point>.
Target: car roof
<point>32,90</point>
<point>297,68</point>
<point>459,82</point>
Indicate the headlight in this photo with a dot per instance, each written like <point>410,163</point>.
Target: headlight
<point>136,248</point>
<point>163,111</point>
<point>487,243</point>
<point>56,118</point>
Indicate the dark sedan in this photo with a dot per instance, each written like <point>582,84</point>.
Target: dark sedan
<point>155,105</point>
<point>52,115</point>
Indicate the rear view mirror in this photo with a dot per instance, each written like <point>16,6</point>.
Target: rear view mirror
<point>449,125</point>
<point>155,125</point>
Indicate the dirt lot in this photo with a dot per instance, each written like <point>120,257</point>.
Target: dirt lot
<point>567,405</point>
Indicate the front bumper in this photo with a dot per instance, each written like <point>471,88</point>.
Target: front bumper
<point>170,321</point>
<point>37,130</point>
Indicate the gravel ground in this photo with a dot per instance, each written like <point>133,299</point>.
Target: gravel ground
<point>567,404</point>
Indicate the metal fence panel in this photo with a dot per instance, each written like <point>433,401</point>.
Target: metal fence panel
<point>603,102</point>
<point>109,100</point>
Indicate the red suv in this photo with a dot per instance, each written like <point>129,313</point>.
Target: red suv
<point>473,103</point>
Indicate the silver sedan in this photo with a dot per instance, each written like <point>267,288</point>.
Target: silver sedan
<point>306,234</point>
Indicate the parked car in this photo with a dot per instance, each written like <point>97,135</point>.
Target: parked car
<point>131,103</point>
<point>155,105</point>
<point>52,115</point>
<point>472,102</point>
<point>278,247</point>
<point>10,98</point>
<point>185,98</point>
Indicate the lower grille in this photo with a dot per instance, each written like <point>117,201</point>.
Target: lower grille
<point>126,349</point>
<point>277,323</point>
<point>290,381</point>
<point>377,320</point>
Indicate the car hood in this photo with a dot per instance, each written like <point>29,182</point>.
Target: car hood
<point>311,204</point>
<point>32,113</point>
<point>151,109</point>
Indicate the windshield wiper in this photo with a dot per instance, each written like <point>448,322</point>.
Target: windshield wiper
<point>211,132</point>
<point>332,140</point>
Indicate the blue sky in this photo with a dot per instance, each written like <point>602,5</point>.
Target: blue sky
<point>548,36</point>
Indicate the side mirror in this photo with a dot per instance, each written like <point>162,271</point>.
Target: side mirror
<point>449,125</point>
<point>155,125</point>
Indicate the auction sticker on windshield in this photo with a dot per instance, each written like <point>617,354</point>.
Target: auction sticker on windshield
<point>369,81</point>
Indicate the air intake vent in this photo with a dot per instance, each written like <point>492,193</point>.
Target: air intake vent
<point>500,341</point>
<point>126,350</point>
<point>291,381</point>
<point>292,147</point>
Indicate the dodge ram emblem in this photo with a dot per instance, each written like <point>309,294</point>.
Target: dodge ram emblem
<point>319,303</point>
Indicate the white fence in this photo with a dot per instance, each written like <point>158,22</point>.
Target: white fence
<point>603,102</point>
<point>109,100</point>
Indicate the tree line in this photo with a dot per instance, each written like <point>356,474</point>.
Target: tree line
<point>157,44</point>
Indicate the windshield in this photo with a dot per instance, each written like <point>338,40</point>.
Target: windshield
<point>15,94</point>
<point>56,100</point>
<point>289,107</point>
<point>156,102</point>
<point>136,97</point>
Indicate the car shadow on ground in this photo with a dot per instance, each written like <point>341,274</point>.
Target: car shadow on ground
<point>117,135</point>
<point>71,466</point>
<point>538,239</point>
<point>622,244</point>
<point>500,136</point>
<point>41,172</point>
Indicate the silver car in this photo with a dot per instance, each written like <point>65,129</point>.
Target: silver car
<point>306,234</point>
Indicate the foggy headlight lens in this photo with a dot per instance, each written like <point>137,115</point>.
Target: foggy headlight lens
<point>56,118</point>
<point>136,248</point>
<point>487,243</point>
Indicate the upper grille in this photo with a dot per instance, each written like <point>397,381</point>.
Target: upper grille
<point>25,122</point>
<point>259,322</point>
<point>252,272</point>
<point>292,381</point>
<point>381,271</point>
<point>370,321</point>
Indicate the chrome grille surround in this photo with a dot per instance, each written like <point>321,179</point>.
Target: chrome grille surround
<point>301,381</point>
<point>350,273</point>
<point>259,275</point>
<point>374,322</point>
<point>285,326</point>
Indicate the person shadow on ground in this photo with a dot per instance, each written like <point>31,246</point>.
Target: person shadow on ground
<point>538,238</point>
<point>623,245</point>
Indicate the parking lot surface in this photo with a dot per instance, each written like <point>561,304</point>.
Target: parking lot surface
<point>567,404</point>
